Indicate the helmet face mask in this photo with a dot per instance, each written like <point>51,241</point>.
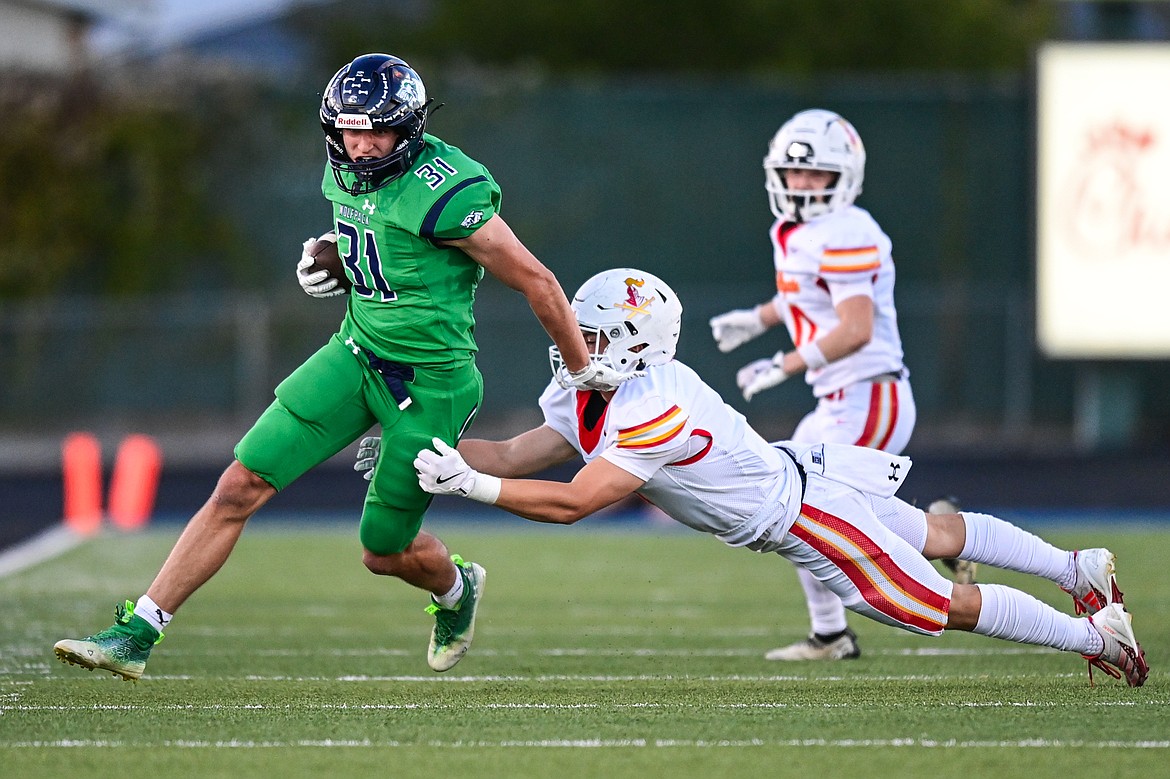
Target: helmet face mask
<point>630,318</point>
<point>814,140</point>
<point>374,92</point>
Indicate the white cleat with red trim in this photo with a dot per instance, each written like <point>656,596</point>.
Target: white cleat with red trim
<point>1096,585</point>
<point>1122,655</point>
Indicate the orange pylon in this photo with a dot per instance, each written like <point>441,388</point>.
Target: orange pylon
<point>81,465</point>
<point>134,484</point>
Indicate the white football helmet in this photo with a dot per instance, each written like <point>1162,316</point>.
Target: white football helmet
<point>814,140</point>
<point>639,315</point>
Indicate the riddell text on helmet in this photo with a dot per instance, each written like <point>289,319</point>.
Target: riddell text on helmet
<point>353,122</point>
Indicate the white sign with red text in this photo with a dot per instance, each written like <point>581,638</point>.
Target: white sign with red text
<point>1103,200</point>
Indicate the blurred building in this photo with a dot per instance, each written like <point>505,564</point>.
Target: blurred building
<point>212,35</point>
<point>53,35</point>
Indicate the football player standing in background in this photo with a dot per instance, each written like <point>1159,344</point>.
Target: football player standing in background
<point>416,223</point>
<point>835,295</point>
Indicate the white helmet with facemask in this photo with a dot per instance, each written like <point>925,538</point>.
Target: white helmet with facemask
<point>814,140</point>
<point>639,315</point>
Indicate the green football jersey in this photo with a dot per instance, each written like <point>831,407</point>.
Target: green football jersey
<point>412,298</point>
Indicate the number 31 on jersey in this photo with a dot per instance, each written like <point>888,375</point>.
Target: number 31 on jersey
<point>368,282</point>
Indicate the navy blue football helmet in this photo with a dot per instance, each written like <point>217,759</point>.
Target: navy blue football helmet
<point>375,91</point>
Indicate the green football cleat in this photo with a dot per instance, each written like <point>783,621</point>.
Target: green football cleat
<point>122,649</point>
<point>454,628</point>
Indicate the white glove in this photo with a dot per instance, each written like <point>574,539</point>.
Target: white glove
<point>443,472</point>
<point>595,377</point>
<point>367,456</point>
<point>759,375</point>
<point>318,284</point>
<point>736,328</point>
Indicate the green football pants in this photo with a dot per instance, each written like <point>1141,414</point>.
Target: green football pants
<point>333,398</point>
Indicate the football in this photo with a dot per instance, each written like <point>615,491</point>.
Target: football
<point>326,258</point>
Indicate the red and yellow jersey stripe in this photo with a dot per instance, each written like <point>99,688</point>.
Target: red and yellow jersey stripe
<point>850,260</point>
<point>657,431</point>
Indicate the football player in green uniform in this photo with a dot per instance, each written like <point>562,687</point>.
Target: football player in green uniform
<point>416,223</point>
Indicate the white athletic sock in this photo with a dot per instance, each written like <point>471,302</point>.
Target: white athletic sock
<point>825,609</point>
<point>995,542</point>
<point>450,599</point>
<point>150,611</point>
<point>1017,616</point>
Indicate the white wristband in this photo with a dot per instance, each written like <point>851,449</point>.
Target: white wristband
<point>486,489</point>
<point>812,355</point>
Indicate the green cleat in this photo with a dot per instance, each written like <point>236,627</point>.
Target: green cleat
<point>454,628</point>
<point>122,649</point>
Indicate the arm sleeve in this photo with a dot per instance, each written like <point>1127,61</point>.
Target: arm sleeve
<point>843,291</point>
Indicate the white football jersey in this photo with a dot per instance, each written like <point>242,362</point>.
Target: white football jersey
<point>702,463</point>
<point>822,262</point>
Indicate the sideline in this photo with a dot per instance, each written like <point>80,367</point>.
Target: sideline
<point>50,543</point>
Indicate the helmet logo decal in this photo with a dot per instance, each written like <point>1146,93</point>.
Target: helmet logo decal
<point>849,131</point>
<point>410,90</point>
<point>635,302</point>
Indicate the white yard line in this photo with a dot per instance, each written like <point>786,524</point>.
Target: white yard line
<point>49,544</point>
<point>915,743</point>
<point>541,678</point>
<point>424,706</point>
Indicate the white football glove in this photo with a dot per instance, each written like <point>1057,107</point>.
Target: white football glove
<point>318,284</point>
<point>595,377</point>
<point>367,456</point>
<point>759,375</point>
<point>736,328</point>
<point>444,472</point>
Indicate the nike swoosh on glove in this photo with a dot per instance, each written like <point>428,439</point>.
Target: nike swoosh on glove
<point>443,471</point>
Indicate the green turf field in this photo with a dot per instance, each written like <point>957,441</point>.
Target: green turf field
<point>596,654</point>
